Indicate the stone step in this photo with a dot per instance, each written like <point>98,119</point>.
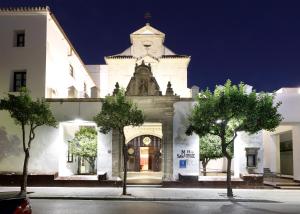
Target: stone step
<point>287,184</point>
<point>289,187</point>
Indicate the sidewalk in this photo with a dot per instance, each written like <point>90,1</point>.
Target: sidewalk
<point>160,194</point>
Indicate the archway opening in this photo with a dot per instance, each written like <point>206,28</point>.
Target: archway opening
<point>145,159</point>
<point>144,154</point>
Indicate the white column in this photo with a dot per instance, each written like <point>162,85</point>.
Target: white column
<point>296,150</point>
<point>104,156</point>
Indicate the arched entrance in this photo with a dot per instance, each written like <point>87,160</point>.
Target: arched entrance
<point>145,160</point>
<point>144,153</point>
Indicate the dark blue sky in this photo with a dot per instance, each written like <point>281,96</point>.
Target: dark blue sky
<point>254,41</point>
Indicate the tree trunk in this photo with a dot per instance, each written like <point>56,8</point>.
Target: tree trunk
<point>204,164</point>
<point>228,157</point>
<point>124,148</point>
<point>25,171</point>
<point>228,181</point>
<point>92,164</point>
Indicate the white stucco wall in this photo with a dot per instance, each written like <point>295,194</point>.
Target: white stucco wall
<point>296,149</point>
<point>243,141</point>
<point>289,109</point>
<point>49,149</point>
<point>166,65</point>
<point>104,160</point>
<point>183,143</point>
<point>44,149</point>
<point>31,57</point>
<point>100,76</point>
<point>60,56</point>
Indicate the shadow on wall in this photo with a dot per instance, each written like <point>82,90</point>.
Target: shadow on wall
<point>10,145</point>
<point>183,123</point>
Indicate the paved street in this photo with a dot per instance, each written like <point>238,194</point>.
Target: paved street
<point>159,194</point>
<point>144,200</point>
<point>53,206</point>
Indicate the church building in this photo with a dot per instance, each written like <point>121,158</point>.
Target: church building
<point>36,53</point>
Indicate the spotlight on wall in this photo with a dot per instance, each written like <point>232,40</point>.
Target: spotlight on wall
<point>78,120</point>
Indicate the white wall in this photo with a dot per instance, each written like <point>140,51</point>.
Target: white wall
<point>49,147</point>
<point>290,107</point>
<point>31,57</point>
<point>45,56</point>
<point>104,161</point>
<point>243,141</point>
<point>100,76</point>
<point>164,68</point>
<point>183,142</point>
<point>218,165</point>
<point>60,55</point>
<point>296,149</point>
<point>44,149</point>
<point>67,132</point>
<point>271,151</point>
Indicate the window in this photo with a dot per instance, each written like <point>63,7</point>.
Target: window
<point>19,38</point>
<point>251,160</point>
<point>71,71</point>
<point>84,87</point>
<point>19,80</point>
<point>251,156</point>
<point>72,92</point>
<point>70,51</point>
<point>70,155</point>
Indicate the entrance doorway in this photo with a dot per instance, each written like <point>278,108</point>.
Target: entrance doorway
<point>144,154</point>
<point>286,154</point>
<point>145,160</point>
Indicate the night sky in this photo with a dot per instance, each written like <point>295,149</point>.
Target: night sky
<point>255,41</point>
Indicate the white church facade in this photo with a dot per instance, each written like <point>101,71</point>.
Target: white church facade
<point>36,53</point>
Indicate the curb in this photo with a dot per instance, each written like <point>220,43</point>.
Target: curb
<point>151,199</point>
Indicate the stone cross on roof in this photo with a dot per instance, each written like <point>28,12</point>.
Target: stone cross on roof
<point>147,16</point>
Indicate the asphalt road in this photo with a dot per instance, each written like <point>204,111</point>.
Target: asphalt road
<point>53,206</point>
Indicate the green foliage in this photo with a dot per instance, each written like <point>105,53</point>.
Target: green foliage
<point>230,109</point>
<point>118,112</point>
<point>26,111</point>
<point>84,144</point>
<point>210,147</point>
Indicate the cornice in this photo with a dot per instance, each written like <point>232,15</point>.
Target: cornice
<point>24,9</point>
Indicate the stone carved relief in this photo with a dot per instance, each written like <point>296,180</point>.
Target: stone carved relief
<point>143,83</point>
<point>145,129</point>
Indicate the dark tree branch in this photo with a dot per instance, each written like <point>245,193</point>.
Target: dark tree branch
<point>232,140</point>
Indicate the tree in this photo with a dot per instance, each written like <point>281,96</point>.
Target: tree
<point>210,149</point>
<point>30,115</point>
<point>229,110</point>
<point>84,144</point>
<point>116,113</point>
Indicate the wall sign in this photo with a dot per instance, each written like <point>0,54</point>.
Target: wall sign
<point>186,154</point>
<point>182,164</point>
